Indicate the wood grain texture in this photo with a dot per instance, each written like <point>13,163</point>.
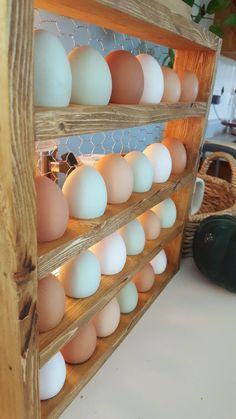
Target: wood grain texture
<point>78,119</point>
<point>229,38</point>
<point>79,375</point>
<point>18,254</point>
<point>79,311</point>
<point>145,19</point>
<point>81,235</point>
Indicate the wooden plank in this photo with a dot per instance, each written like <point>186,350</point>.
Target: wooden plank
<point>79,311</point>
<point>18,285</point>
<point>81,235</point>
<point>79,375</point>
<point>78,119</point>
<point>145,19</point>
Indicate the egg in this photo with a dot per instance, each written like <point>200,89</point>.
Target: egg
<point>189,86</point>
<point>144,279</point>
<point>161,162</point>
<point>51,303</point>
<point>127,77</point>
<point>172,86</point>
<point>82,346</point>
<point>134,237</point>
<point>128,298</point>
<point>52,74</point>
<point>52,376</point>
<point>52,210</point>
<point>166,212</point>
<point>108,319</point>
<point>81,275</point>
<point>153,79</point>
<point>151,224</point>
<point>111,253</point>
<point>86,193</point>
<point>142,170</point>
<point>159,262</point>
<point>178,154</point>
<point>118,177</point>
<point>91,77</point>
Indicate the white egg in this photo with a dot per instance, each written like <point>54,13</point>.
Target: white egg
<point>134,237</point>
<point>142,171</point>
<point>111,253</point>
<point>167,212</point>
<point>159,262</point>
<point>52,72</point>
<point>86,193</point>
<point>153,79</point>
<point>52,377</point>
<point>81,275</point>
<point>91,77</point>
<point>128,298</point>
<point>161,162</point>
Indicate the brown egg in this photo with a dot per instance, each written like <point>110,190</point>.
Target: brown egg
<point>145,278</point>
<point>127,77</point>
<point>172,86</point>
<point>108,319</point>
<point>189,86</point>
<point>178,154</point>
<point>52,210</point>
<point>51,303</point>
<point>118,177</point>
<point>82,346</point>
<point>151,224</point>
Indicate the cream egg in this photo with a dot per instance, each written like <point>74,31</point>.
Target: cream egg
<point>178,154</point>
<point>144,279</point>
<point>151,224</point>
<point>172,85</point>
<point>81,275</point>
<point>166,212</point>
<point>159,262</point>
<point>91,77</point>
<point>134,237</point>
<point>52,74</point>
<point>128,298</point>
<point>142,170</point>
<point>82,346</point>
<point>189,86</point>
<point>111,253</point>
<point>108,319</point>
<point>52,376</point>
<point>51,303</point>
<point>86,193</point>
<point>118,177</point>
<point>52,210</point>
<point>153,79</point>
<point>161,162</point>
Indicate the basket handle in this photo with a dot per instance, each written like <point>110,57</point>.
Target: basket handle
<point>232,163</point>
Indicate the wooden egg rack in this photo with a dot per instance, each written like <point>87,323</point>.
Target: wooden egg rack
<point>22,261</point>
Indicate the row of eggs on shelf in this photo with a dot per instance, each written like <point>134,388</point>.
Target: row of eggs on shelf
<point>87,190</point>
<point>80,277</point>
<point>81,347</point>
<point>85,77</point>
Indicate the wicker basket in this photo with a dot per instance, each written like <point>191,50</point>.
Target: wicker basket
<point>219,198</point>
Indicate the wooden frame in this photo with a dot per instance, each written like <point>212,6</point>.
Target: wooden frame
<point>22,262</point>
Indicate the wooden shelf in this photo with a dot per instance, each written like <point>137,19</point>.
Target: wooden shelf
<point>77,119</point>
<point>81,234</point>
<point>145,19</point>
<point>79,311</point>
<point>79,375</point>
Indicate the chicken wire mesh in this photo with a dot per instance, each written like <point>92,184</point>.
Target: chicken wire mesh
<point>73,33</point>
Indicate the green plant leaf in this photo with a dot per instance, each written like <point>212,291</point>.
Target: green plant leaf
<point>230,21</point>
<point>171,53</point>
<point>217,30</point>
<point>215,5</point>
<point>189,2</point>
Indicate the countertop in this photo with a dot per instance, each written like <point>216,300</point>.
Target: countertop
<point>179,362</point>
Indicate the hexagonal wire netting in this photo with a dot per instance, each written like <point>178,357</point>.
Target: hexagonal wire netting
<point>74,33</point>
